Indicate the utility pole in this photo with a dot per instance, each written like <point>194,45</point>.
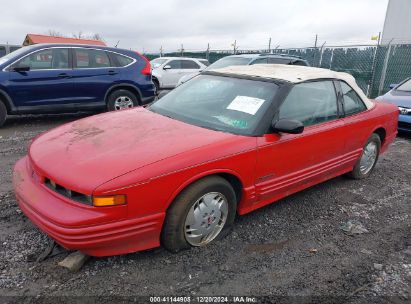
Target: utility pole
<point>315,48</point>
<point>182,50</point>
<point>161,51</point>
<point>370,86</point>
<point>321,52</point>
<point>269,45</point>
<point>208,51</point>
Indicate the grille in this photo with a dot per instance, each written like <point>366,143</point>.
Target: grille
<point>73,195</point>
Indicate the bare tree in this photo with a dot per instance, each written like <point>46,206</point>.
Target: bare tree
<point>97,36</point>
<point>54,33</point>
<point>78,35</point>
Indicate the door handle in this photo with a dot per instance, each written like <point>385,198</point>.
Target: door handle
<point>63,75</point>
<point>111,72</point>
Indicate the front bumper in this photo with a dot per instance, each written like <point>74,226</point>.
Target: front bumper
<point>404,123</point>
<point>60,220</point>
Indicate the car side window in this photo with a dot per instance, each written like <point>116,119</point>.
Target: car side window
<point>278,61</point>
<point>120,60</point>
<point>189,65</point>
<point>175,64</point>
<point>89,58</point>
<point>45,60</point>
<point>260,61</point>
<point>310,103</point>
<point>205,62</point>
<point>299,62</point>
<point>352,102</point>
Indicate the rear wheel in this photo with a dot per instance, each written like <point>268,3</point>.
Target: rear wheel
<point>3,113</point>
<point>121,99</point>
<point>201,214</point>
<point>369,157</point>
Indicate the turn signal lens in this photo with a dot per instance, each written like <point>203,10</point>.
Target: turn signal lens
<point>102,201</point>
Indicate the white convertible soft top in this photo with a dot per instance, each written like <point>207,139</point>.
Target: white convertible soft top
<point>294,74</point>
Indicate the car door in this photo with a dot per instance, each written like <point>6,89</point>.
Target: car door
<point>290,162</point>
<point>93,75</point>
<point>173,71</point>
<point>356,127</point>
<point>45,78</point>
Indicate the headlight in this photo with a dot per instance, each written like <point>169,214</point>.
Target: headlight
<point>113,200</point>
<point>404,111</point>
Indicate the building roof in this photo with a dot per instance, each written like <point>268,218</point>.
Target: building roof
<point>36,39</point>
<point>293,74</point>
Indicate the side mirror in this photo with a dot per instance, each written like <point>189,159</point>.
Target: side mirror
<point>393,85</point>
<point>288,126</point>
<point>21,68</point>
<point>166,67</point>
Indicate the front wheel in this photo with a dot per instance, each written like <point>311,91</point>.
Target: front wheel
<point>121,99</point>
<point>202,213</point>
<point>365,165</point>
<point>3,113</point>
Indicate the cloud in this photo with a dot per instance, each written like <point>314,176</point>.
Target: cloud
<point>144,25</point>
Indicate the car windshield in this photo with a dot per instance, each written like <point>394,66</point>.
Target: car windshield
<point>406,86</point>
<point>12,55</point>
<point>228,61</point>
<point>226,104</point>
<point>155,63</point>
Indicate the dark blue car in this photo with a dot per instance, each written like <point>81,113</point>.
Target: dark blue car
<point>59,78</point>
<point>400,95</point>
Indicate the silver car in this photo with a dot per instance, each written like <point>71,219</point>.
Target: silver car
<point>249,59</point>
<point>168,70</point>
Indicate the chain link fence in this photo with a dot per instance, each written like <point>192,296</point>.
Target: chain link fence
<point>374,67</point>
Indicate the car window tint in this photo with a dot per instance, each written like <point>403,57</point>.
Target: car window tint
<point>45,60</point>
<point>189,64</point>
<point>352,102</point>
<point>88,58</point>
<point>175,64</point>
<point>120,60</point>
<point>311,103</point>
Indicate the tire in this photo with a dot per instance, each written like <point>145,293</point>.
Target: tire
<point>3,113</point>
<point>157,85</point>
<point>175,234</point>
<point>121,99</point>
<point>358,172</point>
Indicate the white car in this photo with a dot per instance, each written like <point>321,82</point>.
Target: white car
<point>168,70</point>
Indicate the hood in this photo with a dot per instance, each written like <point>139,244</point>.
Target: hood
<point>86,153</point>
<point>399,98</point>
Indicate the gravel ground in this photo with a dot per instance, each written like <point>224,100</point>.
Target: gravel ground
<point>295,247</point>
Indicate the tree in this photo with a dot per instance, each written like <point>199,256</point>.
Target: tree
<point>54,33</point>
<point>97,36</point>
<point>78,35</point>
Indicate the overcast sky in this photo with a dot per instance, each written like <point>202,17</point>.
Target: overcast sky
<point>147,25</point>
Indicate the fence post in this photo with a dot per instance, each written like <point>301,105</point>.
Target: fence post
<point>321,55</point>
<point>384,69</point>
<point>332,57</point>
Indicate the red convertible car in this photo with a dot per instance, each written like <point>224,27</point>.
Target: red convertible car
<point>177,173</point>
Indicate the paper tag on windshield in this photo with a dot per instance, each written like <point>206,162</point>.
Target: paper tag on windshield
<point>246,104</point>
